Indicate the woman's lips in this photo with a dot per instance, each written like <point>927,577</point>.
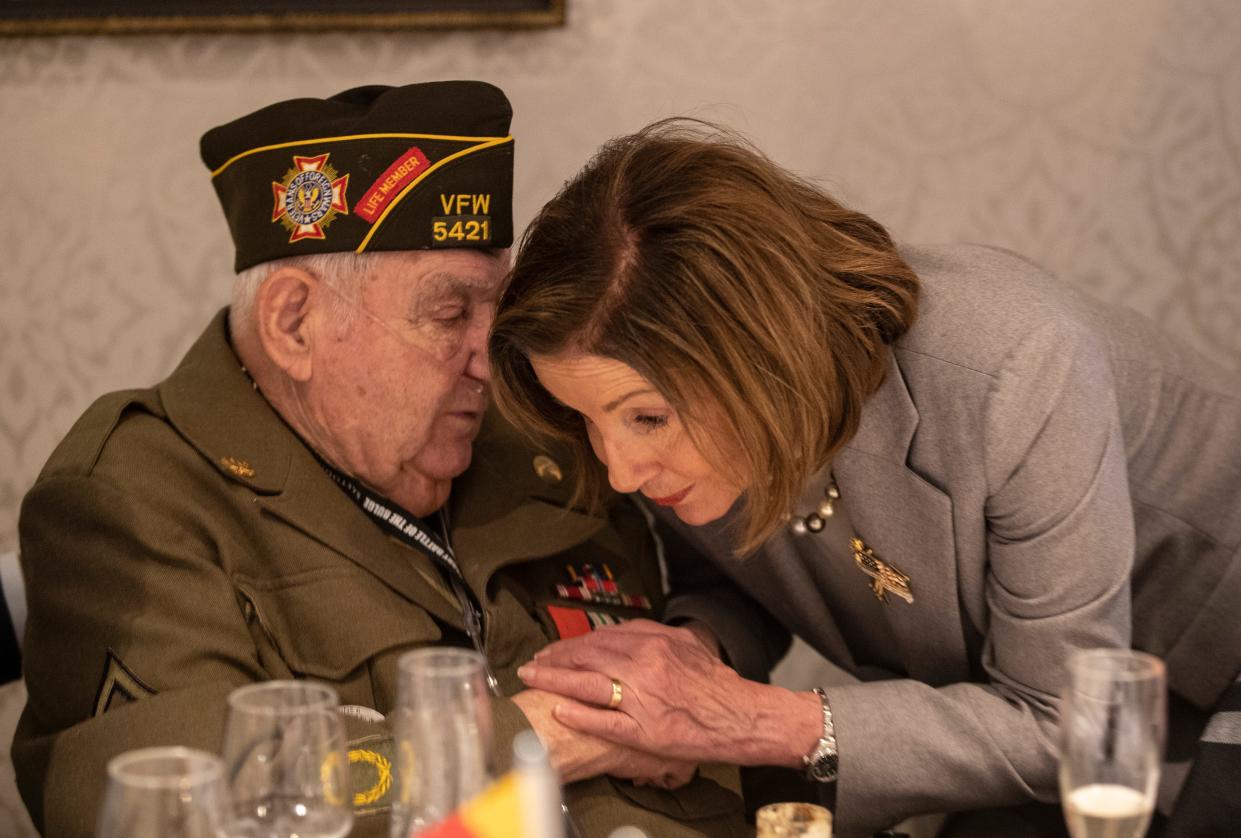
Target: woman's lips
<point>673,500</point>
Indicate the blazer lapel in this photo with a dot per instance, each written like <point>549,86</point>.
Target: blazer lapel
<point>774,575</point>
<point>798,603</point>
<point>908,523</point>
<point>214,405</point>
<point>791,595</point>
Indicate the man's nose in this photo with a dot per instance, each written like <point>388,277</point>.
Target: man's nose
<point>476,366</point>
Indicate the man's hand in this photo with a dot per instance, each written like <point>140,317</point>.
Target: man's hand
<point>677,699</point>
<point>579,756</point>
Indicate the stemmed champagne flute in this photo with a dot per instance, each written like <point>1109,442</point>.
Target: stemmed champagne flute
<point>1111,742</point>
<point>443,735</point>
<point>164,793</point>
<point>284,751</point>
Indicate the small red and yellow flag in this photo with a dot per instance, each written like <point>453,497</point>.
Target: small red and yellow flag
<point>495,813</point>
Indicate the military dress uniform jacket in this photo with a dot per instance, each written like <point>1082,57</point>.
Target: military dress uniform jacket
<point>1051,473</point>
<point>182,541</point>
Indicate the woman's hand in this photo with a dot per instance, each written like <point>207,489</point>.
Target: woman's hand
<point>677,699</point>
<point>578,756</point>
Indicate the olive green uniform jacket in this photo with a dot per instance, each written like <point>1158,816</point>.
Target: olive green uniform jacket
<point>182,541</point>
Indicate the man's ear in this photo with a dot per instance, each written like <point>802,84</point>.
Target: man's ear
<point>282,308</point>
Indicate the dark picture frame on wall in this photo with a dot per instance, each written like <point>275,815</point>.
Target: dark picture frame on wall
<point>120,17</point>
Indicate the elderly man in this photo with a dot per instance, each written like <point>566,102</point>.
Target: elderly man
<point>304,497</point>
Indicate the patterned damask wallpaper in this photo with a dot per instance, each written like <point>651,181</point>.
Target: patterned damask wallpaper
<point>1101,138</point>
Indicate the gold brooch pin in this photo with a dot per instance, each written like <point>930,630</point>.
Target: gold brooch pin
<point>883,576</point>
<point>547,469</point>
<point>236,467</point>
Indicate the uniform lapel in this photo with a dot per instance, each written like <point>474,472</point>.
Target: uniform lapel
<point>212,402</point>
<point>312,503</point>
<point>908,523</point>
<point>502,512</point>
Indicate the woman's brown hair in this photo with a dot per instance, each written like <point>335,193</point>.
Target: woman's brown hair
<point>759,306</point>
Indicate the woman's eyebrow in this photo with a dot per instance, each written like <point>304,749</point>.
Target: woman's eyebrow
<point>615,403</point>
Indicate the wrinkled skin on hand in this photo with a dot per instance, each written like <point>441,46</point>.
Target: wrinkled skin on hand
<point>579,756</point>
<point>679,700</point>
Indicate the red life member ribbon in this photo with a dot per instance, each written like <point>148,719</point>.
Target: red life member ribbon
<point>400,174</point>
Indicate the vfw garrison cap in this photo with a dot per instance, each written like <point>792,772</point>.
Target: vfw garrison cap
<point>373,168</point>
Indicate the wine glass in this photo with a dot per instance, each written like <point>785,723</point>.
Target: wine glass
<point>164,793</point>
<point>1111,742</point>
<point>443,735</point>
<point>288,769</point>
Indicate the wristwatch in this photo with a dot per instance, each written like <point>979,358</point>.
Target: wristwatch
<point>823,761</point>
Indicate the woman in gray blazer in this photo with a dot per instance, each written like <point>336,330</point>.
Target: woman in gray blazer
<point>939,466</point>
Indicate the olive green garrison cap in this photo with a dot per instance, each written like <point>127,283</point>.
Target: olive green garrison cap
<point>373,168</point>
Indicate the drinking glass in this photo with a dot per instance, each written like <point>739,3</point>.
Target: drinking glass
<point>1111,742</point>
<point>543,812</point>
<point>288,769</point>
<point>793,820</point>
<point>164,793</point>
<point>443,735</point>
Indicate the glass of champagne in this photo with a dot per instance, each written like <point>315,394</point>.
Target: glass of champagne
<point>164,793</point>
<point>288,768</point>
<point>443,735</point>
<point>1111,742</point>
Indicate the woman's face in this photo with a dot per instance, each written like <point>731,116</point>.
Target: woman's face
<point>638,436</point>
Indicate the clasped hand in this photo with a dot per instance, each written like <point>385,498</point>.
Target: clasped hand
<point>678,699</point>
<point>579,756</point>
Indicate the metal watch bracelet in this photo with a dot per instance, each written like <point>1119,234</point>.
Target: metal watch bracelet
<point>823,761</point>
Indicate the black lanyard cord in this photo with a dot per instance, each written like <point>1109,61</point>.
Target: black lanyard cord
<point>430,541</point>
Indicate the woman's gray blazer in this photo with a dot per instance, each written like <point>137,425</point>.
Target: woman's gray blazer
<point>1052,474</point>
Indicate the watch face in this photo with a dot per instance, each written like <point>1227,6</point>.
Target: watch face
<point>824,768</point>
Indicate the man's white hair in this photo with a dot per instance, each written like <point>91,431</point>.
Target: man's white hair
<point>343,272</point>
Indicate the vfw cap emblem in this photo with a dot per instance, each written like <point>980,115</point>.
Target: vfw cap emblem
<point>309,197</point>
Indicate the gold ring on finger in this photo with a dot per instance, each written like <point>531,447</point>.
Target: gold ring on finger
<point>617,695</point>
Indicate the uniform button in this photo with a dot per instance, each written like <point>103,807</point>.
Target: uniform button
<point>547,469</point>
